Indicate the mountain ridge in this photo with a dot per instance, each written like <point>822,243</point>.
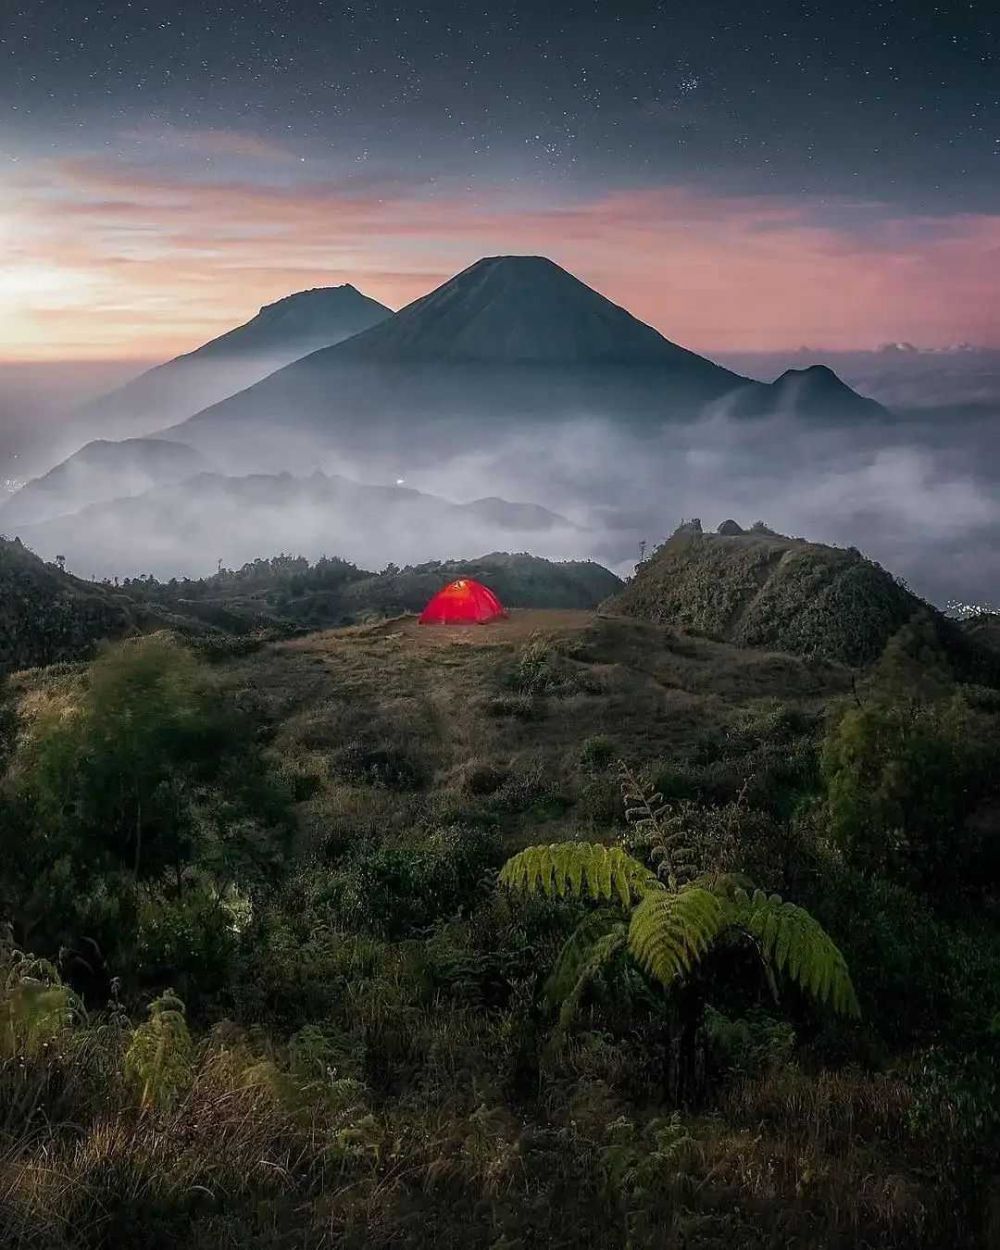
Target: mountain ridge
<point>102,469</point>
<point>279,333</point>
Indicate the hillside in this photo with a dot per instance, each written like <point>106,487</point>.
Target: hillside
<point>364,1049</point>
<point>99,471</point>
<point>47,616</point>
<point>984,629</point>
<point>761,589</point>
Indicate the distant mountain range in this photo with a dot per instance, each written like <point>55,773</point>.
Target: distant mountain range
<point>100,471</point>
<point>281,332</point>
<point>510,342</point>
<point>512,345</point>
<point>186,527</point>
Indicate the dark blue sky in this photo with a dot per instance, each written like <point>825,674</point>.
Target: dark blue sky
<point>891,101</point>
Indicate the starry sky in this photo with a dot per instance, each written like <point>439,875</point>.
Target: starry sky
<point>743,176</point>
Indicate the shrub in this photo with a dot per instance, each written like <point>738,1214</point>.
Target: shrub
<point>597,753</point>
<point>400,891</point>
<point>902,781</point>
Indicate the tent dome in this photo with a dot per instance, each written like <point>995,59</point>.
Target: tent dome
<point>465,602</point>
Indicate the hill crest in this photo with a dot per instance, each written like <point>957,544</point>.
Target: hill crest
<point>764,589</point>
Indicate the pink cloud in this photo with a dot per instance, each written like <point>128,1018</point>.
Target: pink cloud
<point>108,261</point>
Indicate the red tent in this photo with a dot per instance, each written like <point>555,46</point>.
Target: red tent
<point>464,602</point>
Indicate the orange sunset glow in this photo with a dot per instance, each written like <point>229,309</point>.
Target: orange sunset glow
<point>111,261</point>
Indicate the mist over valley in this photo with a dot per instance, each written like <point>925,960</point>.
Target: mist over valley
<point>328,425</point>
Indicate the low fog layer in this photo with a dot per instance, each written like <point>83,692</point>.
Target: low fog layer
<point>921,497</point>
<point>919,492</point>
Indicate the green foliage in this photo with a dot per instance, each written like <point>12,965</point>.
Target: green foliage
<point>903,780</point>
<point>579,869</point>
<point>765,590</point>
<point>536,670</point>
<point>116,768</point>
<point>47,616</point>
<point>360,1055</point>
<point>400,891</point>
<point>35,1007</point>
<point>796,944</point>
<point>128,778</point>
<point>597,753</point>
<point>160,1056</point>
<point>650,818</point>
<point>595,940</point>
<point>670,932</point>
<point>749,1045</point>
<point>378,761</point>
<point>672,928</point>
<point>190,938</point>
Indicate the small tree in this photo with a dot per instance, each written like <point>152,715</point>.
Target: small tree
<point>116,768</point>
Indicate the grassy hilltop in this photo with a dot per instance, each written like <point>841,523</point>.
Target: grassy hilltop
<point>267,989</point>
<point>761,589</point>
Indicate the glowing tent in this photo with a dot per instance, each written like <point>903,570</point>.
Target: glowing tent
<point>465,602</point>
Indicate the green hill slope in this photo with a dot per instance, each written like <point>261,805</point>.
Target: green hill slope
<point>46,615</point>
<point>761,589</point>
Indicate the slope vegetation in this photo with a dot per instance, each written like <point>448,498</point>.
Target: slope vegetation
<point>46,615</point>
<point>761,589</point>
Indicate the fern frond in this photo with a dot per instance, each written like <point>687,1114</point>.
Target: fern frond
<point>600,953</point>
<point>577,951</point>
<point>672,853</point>
<point>644,805</point>
<point>669,933</point>
<point>579,870</point>
<point>796,944</point>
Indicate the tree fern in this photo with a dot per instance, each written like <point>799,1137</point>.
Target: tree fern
<point>579,870</point>
<point>669,933</point>
<point>672,928</point>
<point>644,805</point>
<point>796,944</point>
<point>577,951</point>
<point>160,1057</point>
<point>600,953</point>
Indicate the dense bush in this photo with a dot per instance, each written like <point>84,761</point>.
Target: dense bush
<point>904,781</point>
<point>121,785</point>
<point>401,891</point>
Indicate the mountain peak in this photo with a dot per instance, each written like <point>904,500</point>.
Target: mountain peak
<point>813,375</point>
<point>518,309</point>
<point>299,323</point>
<point>818,391</point>
<point>331,295</point>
